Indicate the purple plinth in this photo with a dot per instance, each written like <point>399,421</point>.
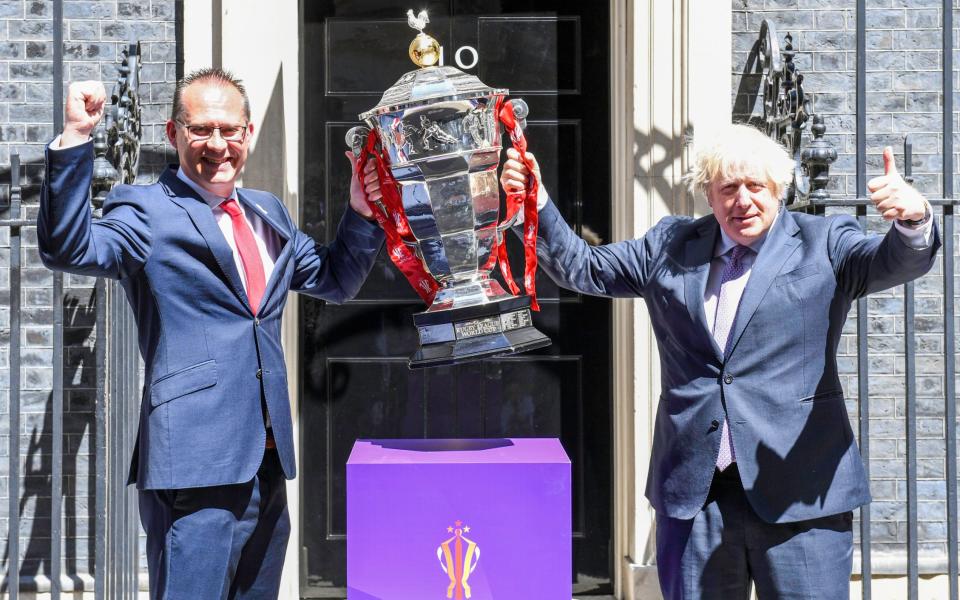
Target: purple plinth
<point>496,509</point>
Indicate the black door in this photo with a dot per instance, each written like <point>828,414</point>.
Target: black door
<point>355,381</point>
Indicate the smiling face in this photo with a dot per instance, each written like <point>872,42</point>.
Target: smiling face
<point>745,205</point>
<point>214,164</point>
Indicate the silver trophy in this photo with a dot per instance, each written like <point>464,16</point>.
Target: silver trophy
<point>438,129</point>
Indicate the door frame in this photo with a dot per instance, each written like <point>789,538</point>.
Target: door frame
<point>662,41</point>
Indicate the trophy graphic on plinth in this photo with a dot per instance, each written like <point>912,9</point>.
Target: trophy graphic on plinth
<point>458,557</point>
<point>435,136</point>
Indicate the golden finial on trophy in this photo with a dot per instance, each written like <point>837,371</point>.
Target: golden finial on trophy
<point>424,50</point>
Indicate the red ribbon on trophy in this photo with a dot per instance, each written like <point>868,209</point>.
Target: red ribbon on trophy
<point>394,223</point>
<point>515,200</point>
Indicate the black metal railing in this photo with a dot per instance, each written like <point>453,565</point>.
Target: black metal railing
<point>786,113</point>
<point>116,523</point>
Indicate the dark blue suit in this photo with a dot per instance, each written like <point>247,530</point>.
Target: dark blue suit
<point>211,365</point>
<point>777,385</point>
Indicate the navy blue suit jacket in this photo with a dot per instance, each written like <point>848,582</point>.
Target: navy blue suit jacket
<point>206,355</point>
<point>778,383</point>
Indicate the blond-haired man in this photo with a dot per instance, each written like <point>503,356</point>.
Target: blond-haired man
<point>754,470</point>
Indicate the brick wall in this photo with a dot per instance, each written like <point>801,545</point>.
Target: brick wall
<point>904,95</point>
<point>94,35</point>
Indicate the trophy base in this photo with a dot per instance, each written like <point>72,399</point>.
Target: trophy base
<point>482,331</point>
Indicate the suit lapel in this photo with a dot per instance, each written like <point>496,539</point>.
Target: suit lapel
<point>271,215</point>
<point>781,242</point>
<point>201,215</point>
<point>698,253</point>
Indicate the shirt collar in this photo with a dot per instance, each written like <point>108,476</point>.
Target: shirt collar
<point>211,199</point>
<point>725,243</point>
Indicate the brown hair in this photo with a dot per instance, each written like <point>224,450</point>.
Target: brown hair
<point>212,74</point>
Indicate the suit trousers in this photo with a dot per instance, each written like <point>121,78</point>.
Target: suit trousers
<point>719,552</point>
<point>225,541</point>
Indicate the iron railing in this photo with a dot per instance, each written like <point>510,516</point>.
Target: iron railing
<point>116,527</point>
<point>786,113</point>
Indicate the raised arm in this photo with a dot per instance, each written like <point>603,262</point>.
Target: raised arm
<point>620,269</point>
<point>116,245</point>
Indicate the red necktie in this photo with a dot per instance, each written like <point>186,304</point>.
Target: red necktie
<point>249,253</point>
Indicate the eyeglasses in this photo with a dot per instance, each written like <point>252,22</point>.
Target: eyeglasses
<point>202,133</point>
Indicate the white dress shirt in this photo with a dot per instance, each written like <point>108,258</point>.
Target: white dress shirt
<point>268,241</point>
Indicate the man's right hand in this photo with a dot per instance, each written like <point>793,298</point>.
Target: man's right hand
<point>82,111</point>
<point>515,174</point>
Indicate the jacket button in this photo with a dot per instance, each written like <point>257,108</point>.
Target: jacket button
<point>259,373</point>
<point>715,423</point>
<point>728,379</point>
<point>256,321</point>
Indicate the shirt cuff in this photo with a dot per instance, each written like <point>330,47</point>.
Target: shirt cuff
<point>542,200</point>
<point>918,237</point>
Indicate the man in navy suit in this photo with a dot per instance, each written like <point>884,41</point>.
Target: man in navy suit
<point>206,267</point>
<point>754,470</point>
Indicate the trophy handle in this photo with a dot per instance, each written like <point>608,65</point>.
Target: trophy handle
<point>355,138</point>
<point>521,110</point>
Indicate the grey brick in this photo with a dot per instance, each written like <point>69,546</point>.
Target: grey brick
<point>30,71</point>
<point>37,50</point>
<point>830,19</point>
<point>830,61</point>
<point>11,92</point>
<point>923,80</point>
<point>923,18</point>
<point>11,50</point>
<point>84,30</point>
<point>39,10</point>
<point>39,93</point>
<point>146,31</point>
<point>88,10</point>
<point>921,60</point>
<point>84,70</point>
<point>879,40</point>
<point>820,41</point>
<point>885,61</point>
<point>30,113</point>
<point>787,21</point>
<point>918,39</point>
<point>886,19</point>
<point>9,10</point>
<point>162,10</point>
<point>102,50</point>
<point>133,10</point>
<point>31,30</point>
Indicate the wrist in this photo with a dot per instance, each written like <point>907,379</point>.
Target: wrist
<point>73,137</point>
<point>927,215</point>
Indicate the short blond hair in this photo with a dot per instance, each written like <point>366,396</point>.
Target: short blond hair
<point>738,150</point>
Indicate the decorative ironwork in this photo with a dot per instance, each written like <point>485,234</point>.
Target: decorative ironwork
<point>116,141</point>
<point>786,111</point>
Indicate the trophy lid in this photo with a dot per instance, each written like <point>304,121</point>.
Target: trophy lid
<point>431,83</point>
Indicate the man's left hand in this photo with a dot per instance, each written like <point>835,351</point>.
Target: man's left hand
<point>894,197</point>
<point>362,195</point>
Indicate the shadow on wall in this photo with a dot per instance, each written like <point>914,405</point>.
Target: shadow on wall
<point>79,376</point>
<point>267,160</point>
<point>750,90</point>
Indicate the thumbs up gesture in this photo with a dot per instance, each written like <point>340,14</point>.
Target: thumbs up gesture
<point>894,197</point>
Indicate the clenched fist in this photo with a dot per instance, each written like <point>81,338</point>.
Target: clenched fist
<point>894,197</point>
<point>82,111</point>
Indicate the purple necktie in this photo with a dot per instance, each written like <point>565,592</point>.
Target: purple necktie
<point>727,304</point>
